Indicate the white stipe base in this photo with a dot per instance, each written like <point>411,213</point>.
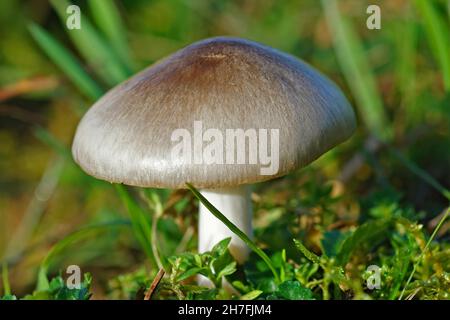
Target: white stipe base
<point>235,204</point>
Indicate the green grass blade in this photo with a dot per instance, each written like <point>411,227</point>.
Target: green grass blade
<point>43,282</point>
<point>5,280</point>
<point>235,230</point>
<point>141,225</point>
<point>438,37</point>
<point>53,142</point>
<point>448,9</point>
<point>433,235</point>
<point>351,57</point>
<point>406,42</point>
<point>405,39</point>
<point>93,47</point>
<point>66,62</point>
<point>356,69</point>
<point>424,175</point>
<point>36,207</point>
<point>108,19</point>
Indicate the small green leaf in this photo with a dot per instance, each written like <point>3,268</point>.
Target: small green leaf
<point>252,295</point>
<point>229,269</point>
<point>220,248</point>
<point>331,242</point>
<point>308,254</point>
<point>259,276</point>
<point>240,286</point>
<point>293,290</point>
<point>208,294</point>
<point>58,290</point>
<point>5,279</point>
<point>198,260</point>
<point>189,273</point>
<point>367,234</point>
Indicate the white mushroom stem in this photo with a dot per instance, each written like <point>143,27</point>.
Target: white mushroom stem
<point>235,204</point>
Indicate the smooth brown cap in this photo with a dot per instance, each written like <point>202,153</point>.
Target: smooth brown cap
<point>226,83</point>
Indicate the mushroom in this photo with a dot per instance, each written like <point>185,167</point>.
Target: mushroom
<point>170,124</point>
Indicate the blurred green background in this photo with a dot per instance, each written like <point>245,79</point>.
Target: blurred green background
<point>397,78</point>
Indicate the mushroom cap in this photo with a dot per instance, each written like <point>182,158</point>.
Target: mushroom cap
<point>226,83</point>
